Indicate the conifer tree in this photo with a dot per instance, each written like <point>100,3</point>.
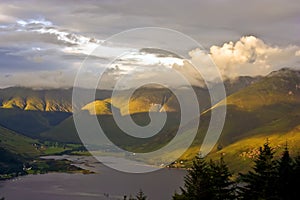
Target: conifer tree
<point>197,182</point>
<point>223,186</point>
<point>141,195</point>
<point>207,181</point>
<point>285,173</point>
<point>295,179</point>
<point>261,182</point>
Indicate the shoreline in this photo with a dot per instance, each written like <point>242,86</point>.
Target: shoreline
<point>84,164</point>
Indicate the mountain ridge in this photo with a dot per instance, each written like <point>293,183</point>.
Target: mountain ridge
<point>258,107</point>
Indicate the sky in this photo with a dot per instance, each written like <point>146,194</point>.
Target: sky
<point>44,43</point>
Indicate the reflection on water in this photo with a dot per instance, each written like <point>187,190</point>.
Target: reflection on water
<point>106,184</point>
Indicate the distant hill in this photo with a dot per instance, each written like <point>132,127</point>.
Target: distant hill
<point>267,109</point>
<point>255,105</point>
<point>30,123</point>
<point>142,100</point>
<point>14,150</point>
<point>273,102</point>
<point>64,132</point>
<point>60,100</point>
<point>31,111</point>
<point>17,144</point>
<point>45,100</point>
<point>54,100</point>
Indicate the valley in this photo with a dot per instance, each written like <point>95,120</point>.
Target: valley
<point>258,109</point>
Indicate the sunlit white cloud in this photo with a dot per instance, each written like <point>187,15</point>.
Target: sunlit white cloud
<point>74,43</point>
<point>249,56</point>
<point>141,60</point>
<point>34,21</point>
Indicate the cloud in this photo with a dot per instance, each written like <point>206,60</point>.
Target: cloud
<point>46,32</point>
<point>34,45</point>
<point>203,20</point>
<point>39,79</point>
<point>51,36</point>
<point>40,45</point>
<point>249,56</point>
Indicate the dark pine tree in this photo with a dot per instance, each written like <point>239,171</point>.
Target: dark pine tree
<point>295,179</point>
<point>261,183</point>
<point>141,195</point>
<point>285,173</point>
<point>197,184</point>
<point>209,181</point>
<point>223,186</point>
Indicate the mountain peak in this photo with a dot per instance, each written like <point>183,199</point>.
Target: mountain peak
<point>284,72</point>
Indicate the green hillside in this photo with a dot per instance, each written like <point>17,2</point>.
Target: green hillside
<point>18,144</point>
<point>15,149</point>
<point>257,108</point>
<point>30,123</point>
<point>64,132</point>
<point>267,109</point>
<point>34,111</point>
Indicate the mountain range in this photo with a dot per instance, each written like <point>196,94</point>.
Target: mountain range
<point>257,108</point>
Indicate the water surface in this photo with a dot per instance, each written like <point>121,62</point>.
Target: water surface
<point>106,184</point>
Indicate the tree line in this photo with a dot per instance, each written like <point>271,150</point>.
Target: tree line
<point>269,179</point>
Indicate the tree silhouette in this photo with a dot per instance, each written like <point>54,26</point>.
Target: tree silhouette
<point>141,195</point>
<point>261,182</point>
<point>293,183</point>
<point>223,186</point>
<point>285,173</point>
<point>197,182</point>
<point>269,179</point>
<point>207,181</point>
